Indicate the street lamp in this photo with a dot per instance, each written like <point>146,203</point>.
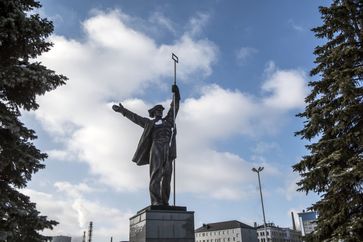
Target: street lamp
<point>258,170</point>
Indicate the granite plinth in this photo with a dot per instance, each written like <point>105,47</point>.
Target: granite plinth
<point>162,224</point>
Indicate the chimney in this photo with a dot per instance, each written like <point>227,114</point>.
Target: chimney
<point>84,236</point>
<point>293,221</point>
<point>206,226</point>
<point>90,232</point>
<point>255,224</point>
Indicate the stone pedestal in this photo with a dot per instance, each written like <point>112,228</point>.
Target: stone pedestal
<point>162,224</point>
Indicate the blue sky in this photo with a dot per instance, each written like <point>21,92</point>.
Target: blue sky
<point>243,73</point>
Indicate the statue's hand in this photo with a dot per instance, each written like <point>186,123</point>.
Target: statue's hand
<point>176,92</point>
<point>174,88</point>
<point>117,108</point>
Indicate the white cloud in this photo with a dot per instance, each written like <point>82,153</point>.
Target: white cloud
<point>117,61</point>
<point>73,190</point>
<point>218,113</point>
<point>264,147</point>
<point>218,175</point>
<point>56,209</point>
<point>60,155</point>
<point>197,23</point>
<point>286,89</point>
<point>289,189</point>
<point>295,26</point>
<point>159,19</point>
<point>74,212</point>
<point>261,154</point>
<point>195,56</point>
<point>244,53</point>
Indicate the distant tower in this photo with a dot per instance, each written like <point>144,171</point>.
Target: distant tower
<point>293,221</point>
<point>111,238</point>
<point>90,232</point>
<point>84,236</point>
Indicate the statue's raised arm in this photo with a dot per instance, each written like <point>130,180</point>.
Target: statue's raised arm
<point>176,100</point>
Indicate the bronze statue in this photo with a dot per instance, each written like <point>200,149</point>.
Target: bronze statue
<point>157,146</point>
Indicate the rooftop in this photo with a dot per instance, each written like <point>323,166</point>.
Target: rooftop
<point>233,224</point>
<point>268,225</point>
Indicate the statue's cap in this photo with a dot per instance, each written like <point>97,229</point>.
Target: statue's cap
<point>156,107</point>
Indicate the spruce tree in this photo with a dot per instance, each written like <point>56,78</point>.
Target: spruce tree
<point>23,37</point>
<point>334,125</point>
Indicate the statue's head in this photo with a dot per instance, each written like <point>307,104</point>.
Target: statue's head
<point>156,111</point>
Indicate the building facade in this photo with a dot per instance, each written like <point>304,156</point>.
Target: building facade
<point>228,231</point>
<point>277,234</point>
<point>307,222</point>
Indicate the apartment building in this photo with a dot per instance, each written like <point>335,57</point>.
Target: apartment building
<point>277,234</point>
<point>227,231</point>
<point>307,222</point>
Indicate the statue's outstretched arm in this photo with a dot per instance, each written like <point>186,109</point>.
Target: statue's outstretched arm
<point>130,115</point>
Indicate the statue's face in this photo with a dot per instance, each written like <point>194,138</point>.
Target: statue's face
<point>158,113</point>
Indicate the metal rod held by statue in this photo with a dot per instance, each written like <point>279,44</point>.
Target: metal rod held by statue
<point>176,60</point>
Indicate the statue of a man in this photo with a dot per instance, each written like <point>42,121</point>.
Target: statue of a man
<point>157,146</point>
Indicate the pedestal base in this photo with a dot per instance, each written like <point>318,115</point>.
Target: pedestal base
<point>162,224</point>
